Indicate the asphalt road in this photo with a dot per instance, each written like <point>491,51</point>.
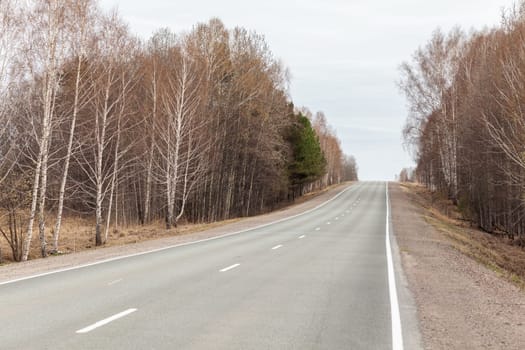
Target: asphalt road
<point>316,281</point>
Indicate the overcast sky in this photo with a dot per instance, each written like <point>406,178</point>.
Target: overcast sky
<point>343,55</point>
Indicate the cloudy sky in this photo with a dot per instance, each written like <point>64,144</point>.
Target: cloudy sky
<point>343,55</point>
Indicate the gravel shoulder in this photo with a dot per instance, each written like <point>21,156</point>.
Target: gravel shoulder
<point>461,304</point>
<point>52,263</point>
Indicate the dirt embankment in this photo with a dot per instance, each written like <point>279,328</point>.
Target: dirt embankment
<point>467,292</point>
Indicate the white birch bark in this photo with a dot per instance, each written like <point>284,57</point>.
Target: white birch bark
<point>82,14</point>
<point>50,16</point>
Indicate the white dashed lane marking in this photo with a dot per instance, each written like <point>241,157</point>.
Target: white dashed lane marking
<point>105,321</point>
<point>230,267</point>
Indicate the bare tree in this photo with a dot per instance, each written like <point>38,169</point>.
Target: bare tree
<point>45,59</point>
<point>110,82</point>
<point>158,49</point>
<point>180,101</point>
<point>430,89</point>
<point>10,35</point>
<point>80,17</point>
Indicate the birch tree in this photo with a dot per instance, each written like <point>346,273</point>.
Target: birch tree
<point>10,34</point>
<point>110,83</point>
<point>157,52</point>
<point>180,101</point>
<point>430,89</point>
<point>47,21</point>
<point>80,25</point>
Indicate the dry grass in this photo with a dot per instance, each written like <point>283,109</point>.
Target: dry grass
<point>78,234</point>
<point>495,252</point>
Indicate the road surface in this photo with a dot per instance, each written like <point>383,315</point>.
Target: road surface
<point>321,280</point>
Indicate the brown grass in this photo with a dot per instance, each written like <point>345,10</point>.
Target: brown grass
<point>494,251</point>
<point>78,234</point>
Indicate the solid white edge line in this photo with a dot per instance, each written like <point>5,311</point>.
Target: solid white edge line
<point>230,267</point>
<point>105,321</point>
<point>177,245</point>
<point>397,334</point>
<point>277,247</point>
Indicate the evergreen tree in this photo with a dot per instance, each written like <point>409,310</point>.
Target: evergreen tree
<point>308,162</point>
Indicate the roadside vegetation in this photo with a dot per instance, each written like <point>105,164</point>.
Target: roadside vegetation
<point>102,131</point>
<point>466,127</point>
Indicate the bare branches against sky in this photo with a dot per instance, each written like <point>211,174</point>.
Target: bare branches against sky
<point>343,55</point>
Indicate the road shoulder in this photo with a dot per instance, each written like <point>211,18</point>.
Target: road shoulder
<point>461,304</point>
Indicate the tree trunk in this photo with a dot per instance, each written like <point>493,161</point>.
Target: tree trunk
<point>56,232</point>
<point>34,199</point>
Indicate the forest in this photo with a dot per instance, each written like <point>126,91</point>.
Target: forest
<point>192,127</point>
<point>466,127</point>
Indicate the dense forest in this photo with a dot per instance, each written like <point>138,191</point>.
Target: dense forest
<point>466,94</point>
<point>194,127</point>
